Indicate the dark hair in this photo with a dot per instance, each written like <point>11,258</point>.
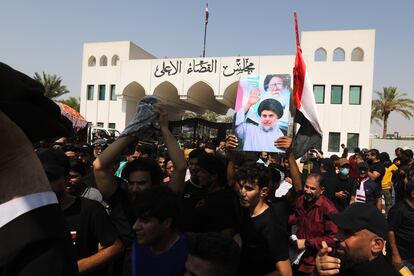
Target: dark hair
<point>195,153</point>
<point>357,150</point>
<point>272,105</point>
<point>221,252</point>
<point>408,153</point>
<point>214,165</point>
<point>254,173</point>
<point>146,165</point>
<point>374,152</point>
<point>78,166</point>
<point>159,202</point>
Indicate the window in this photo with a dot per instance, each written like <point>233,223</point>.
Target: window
<point>357,54</point>
<point>102,92</point>
<point>90,92</point>
<point>113,96</point>
<point>336,94</point>
<point>355,94</point>
<point>352,141</point>
<point>99,124</point>
<point>339,54</point>
<point>115,60</point>
<point>92,61</point>
<point>320,55</point>
<point>103,61</point>
<point>111,125</point>
<point>334,140</point>
<point>319,92</point>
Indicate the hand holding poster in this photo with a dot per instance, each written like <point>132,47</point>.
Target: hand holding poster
<point>262,111</point>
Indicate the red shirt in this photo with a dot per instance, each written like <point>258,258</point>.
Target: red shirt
<point>314,226</point>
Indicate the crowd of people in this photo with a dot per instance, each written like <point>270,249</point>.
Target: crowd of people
<point>128,208</point>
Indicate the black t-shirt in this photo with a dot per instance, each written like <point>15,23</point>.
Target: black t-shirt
<point>378,167</point>
<point>89,225</point>
<point>190,196</point>
<point>212,212</point>
<point>264,242</point>
<point>336,184</point>
<point>372,190</point>
<point>281,211</point>
<point>378,267</point>
<point>401,221</point>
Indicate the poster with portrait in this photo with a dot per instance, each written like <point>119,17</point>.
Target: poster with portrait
<point>262,111</point>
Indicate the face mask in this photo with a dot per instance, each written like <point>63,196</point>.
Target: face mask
<point>344,171</point>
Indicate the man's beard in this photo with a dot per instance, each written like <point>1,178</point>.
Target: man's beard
<point>348,262</point>
<point>310,198</point>
<point>267,128</point>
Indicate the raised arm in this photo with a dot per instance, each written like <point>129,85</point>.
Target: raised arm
<point>102,166</point>
<point>174,151</point>
<point>285,142</point>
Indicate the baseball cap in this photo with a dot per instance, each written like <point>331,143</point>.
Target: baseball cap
<point>342,162</point>
<point>54,161</point>
<point>360,216</point>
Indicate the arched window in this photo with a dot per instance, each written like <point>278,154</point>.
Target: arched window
<point>320,55</point>
<point>91,61</point>
<point>357,54</point>
<point>103,61</point>
<point>115,60</point>
<point>339,54</point>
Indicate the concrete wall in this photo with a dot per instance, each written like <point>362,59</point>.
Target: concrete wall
<point>389,145</point>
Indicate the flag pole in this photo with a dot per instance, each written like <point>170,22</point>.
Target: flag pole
<point>295,19</point>
<point>205,31</point>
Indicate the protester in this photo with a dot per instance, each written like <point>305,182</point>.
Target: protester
<point>264,242</point>
<point>361,239</point>
<point>313,227</point>
<point>94,237</point>
<point>401,232</point>
<point>214,210</point>
<point>159,249</point>
<point>376,167</point>
<point>212,254</point>
<point>367,190</point>
<point>340,189</point>
<point>386,183</point>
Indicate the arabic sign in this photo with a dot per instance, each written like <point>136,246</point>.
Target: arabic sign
<point>200,66</point>
<point>262,111</point>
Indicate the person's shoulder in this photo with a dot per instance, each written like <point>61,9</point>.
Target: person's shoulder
<point>327,204</point>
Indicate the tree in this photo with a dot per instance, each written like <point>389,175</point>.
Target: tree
<point>52,84</point>
<point>389,100</point>
<point>72,102</point>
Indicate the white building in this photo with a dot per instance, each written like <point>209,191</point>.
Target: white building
<point>115,75</point>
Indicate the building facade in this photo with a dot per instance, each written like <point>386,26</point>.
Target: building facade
<point>116,75</point>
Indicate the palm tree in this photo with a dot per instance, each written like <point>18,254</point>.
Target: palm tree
<point>52,84</point>
<point>389,100</point>
<point>72,102</point>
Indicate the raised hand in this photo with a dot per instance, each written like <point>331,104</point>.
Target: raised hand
<point>325,264</point>
<point>283,142</point>
<point>232,142</point>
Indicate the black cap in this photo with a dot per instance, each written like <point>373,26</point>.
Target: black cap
<point>363,165</point>
<point>55,162</point>
<point>22,100</point>
<point>360,216</point>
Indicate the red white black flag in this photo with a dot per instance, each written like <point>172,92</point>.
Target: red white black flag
<point>309,134</point>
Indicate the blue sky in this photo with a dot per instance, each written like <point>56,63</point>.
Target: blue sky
<point>48,35</point>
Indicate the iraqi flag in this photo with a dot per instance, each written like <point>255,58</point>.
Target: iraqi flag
<point>309,134</point>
